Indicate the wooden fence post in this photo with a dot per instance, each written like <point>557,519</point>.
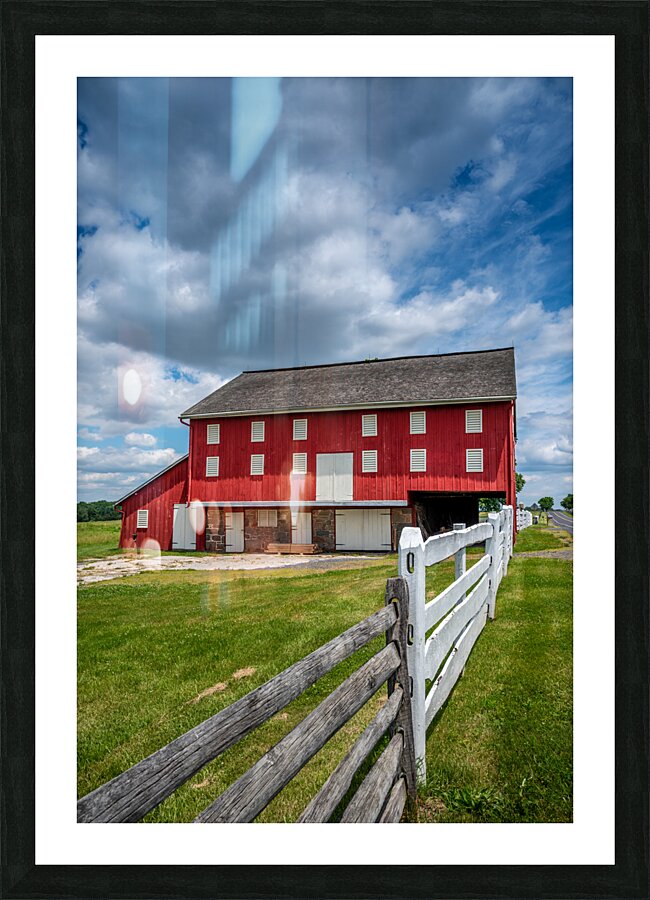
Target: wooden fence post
<point>460,558</point>
<point>412,569</point>
<point>397,591</point>
<point>491,547</point>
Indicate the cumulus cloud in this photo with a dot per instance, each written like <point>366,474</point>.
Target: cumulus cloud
<point>385,217</point>
<point>133,459</point>
<point>140,440</point>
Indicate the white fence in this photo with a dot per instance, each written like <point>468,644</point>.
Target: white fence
<point>524,519</point>
<point>454,619</point>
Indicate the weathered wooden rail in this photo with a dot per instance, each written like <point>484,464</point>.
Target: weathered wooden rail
<point>382,795</point>
<point>454,618</point>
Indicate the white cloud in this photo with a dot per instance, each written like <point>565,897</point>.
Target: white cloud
<point>133,459</point>
<point>140,440</point>
<point>162,398</point>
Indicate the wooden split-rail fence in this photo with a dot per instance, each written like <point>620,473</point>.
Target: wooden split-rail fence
<point>524,519</point>
<point>404,664</point>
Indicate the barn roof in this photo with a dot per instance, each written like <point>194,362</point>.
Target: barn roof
<point>402,381</point>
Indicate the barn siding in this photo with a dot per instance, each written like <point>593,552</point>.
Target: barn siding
<point>340,432</point>
<point>159,497</point>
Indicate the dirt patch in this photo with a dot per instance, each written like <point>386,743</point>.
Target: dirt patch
<point>545,554</point>
<point>202,784</point>
<point>244,673</point>
<point>208,692</point>
<point>92,570</point>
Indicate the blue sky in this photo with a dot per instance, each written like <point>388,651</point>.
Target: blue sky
<point>230,224</point>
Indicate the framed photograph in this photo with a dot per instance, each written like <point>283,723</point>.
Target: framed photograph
<point>347,281</point>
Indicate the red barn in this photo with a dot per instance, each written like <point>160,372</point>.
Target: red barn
<point>341,456</point>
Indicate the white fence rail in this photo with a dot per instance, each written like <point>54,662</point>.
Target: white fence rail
<point>524,519</point>
<point>454,618</point>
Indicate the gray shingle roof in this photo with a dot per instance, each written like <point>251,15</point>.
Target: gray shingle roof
<point>450,377</point>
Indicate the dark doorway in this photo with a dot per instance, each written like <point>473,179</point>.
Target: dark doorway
<point>439,512</point>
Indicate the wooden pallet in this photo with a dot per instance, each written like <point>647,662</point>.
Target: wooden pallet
<point>292,548</point>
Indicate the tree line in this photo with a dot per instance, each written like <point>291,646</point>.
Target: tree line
<point>97,511</point>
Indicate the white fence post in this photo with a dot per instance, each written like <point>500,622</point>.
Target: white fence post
<point>507,538</point>
<point>492,547</point>
<point>411,567</point>
<point>460,558</point>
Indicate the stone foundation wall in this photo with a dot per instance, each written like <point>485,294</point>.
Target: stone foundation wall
<point>258,537</point>
<point>323,529</point>
<point>401,517</point>
<point>215,529</point>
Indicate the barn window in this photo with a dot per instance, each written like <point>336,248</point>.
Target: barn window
<point>300,429</point>
<point>474,460</point>
<point>473,421</point>
<point>418,422</point>
<point>143,518</point>
<point>267,518</point>
<point>257,464</point>
<point>369,426</point>
<point>214,434</point>
<point>418,460</point>
<point>299,463</point>
<point>368,460</point>
<point>212,466</point>
<point>257,431</point>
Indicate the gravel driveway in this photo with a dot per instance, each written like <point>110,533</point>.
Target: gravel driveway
<point>90,570</point>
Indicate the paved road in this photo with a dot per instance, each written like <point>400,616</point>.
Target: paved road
<point>562,520</point>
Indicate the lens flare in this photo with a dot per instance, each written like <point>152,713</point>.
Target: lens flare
<point>196,517</point>
<point>131,387</point>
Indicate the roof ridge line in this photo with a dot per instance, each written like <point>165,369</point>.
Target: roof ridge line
<point>360,362</point>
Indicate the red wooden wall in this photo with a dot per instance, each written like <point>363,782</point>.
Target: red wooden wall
<point>338,432</point>
<point>158,497</point>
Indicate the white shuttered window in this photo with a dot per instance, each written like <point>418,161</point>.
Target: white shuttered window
<point>143,518</point>
<point>257,431</point>
<point>419,422</point>
<point>368,460</point>
<point>257,463</point>
<point>214,434</point>
<point>369,426</point>
<point>418,460</point>
<point>473,421</point>
<point>474,460</point>
<point>267,518</point>
<point>212,466</point>
<point>300,429</point>
<point>299,463</point>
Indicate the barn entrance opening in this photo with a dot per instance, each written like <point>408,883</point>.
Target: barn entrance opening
<point>437,512</point>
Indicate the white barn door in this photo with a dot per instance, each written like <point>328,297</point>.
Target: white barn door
<point>333,477</point>
<point>183,534</point>
<point>363,529</point>
<point>235,532</point>
<point>301,528</point>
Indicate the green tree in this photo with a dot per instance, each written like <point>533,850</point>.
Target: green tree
<point>546,503</point>
<point>567,503</point>
<point>489,504</point>
<point>520,481</point>
<point>97,511</point>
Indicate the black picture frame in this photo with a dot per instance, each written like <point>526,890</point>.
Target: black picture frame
<point>21,21</point>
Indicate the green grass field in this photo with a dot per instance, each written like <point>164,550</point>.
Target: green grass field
<point>96,540</point>
<point>541,537</point>
<point>158,653</point>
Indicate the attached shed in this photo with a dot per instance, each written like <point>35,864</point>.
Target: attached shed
<point>148,511</point>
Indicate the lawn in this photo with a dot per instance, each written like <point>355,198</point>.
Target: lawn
<point>542,537</point>
<point>160,652</point>
<point>98,539</point>
<point>501,748</point>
